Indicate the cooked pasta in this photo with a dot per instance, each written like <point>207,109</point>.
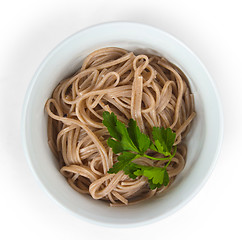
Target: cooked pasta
<point>147,88</point>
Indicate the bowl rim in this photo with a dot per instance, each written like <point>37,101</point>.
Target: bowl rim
<point>24,114</point>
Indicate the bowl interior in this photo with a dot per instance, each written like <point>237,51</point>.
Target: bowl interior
<point>203,140</point>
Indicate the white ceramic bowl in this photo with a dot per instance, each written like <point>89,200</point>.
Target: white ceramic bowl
<point>204,140</point>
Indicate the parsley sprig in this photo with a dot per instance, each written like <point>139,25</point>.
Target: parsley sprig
<point>131,143</point>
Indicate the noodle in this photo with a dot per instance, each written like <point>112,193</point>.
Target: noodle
<point>149,89</point>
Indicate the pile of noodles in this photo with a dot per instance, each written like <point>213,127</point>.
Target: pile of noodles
<point>149,89</point>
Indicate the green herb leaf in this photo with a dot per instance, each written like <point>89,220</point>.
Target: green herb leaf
<point>115,145</point>
<point>141,141</point>
<point>132,144</point>
<point>166,178</point>
<point>118,131</point>
<point>123,161</point>
<point>156,175</point>
<point>126,141</point>
<point>110,121</point>
<point>130,169</point>
<point>152,185</point>
<point>164,140</point>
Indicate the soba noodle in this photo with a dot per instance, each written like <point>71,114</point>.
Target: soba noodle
<point>147,88</point>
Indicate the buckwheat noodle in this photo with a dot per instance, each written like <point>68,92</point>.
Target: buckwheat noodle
<point>147,88</point>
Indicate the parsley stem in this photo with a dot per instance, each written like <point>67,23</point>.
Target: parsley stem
<point>153,158</point>
<point>174,153</point>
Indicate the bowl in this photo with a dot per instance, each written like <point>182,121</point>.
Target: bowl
<point>203,141</point>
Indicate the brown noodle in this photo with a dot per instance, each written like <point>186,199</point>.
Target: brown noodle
<point>149,89</point>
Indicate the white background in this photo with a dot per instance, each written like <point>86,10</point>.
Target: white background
<point>30,29</point>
